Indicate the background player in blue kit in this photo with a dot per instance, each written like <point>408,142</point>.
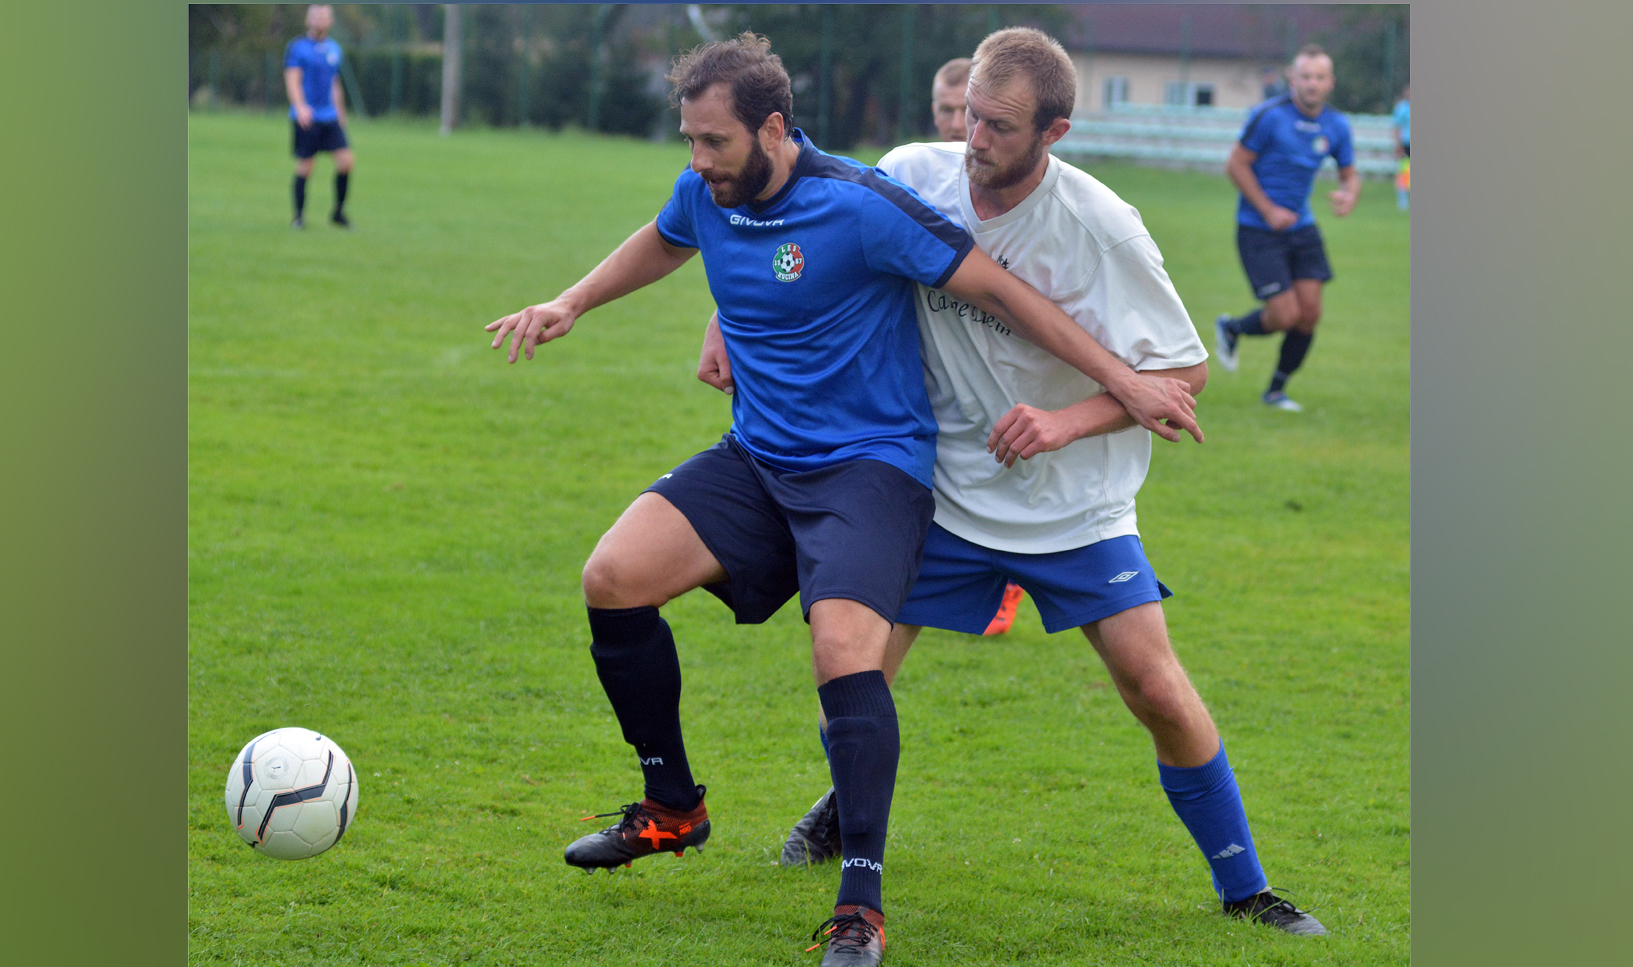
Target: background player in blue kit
<point>822,484</point>
<point>317,108</point>
<point>1274,164</point>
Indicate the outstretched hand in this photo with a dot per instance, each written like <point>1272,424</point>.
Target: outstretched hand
<point>533,325</point>
<point>1162,405</point>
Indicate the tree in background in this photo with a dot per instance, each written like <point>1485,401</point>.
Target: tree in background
<point>868,49</point>
<point>1370,56</point>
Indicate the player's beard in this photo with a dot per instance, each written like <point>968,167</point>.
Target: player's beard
<point>743,187</point>
<point>999,177</point>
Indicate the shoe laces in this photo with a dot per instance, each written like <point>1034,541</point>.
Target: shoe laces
<point>632,814</point>
<point>846,931</point>
<point>1274,903</point>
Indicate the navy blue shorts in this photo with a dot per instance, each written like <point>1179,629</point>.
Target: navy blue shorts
<point>961,583</point>
<point>854,530</point>
<point>321,136</point>
<point>1273,260</point>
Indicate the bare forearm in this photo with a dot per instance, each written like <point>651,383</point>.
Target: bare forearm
<point>338,96</point>
<point>1102,413</point>
<point>1042,323</point>
<point>644,258</point>
<point>292,88</point>
<point>1241,174</point>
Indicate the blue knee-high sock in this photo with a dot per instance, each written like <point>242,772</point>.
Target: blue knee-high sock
<point>1210,806</point>
<point>636,661</point>
<point>864,744</point>
<point>1250,324</point>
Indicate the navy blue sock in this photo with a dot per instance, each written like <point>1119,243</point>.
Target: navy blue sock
<point>1294,346</point>
<point>341,181</point>
<point>864,744</point>
<point>300,195</point>
<point>1210,806</point>
<point>1251,324</point>
<point>822,736</point>
<point>636,660</point>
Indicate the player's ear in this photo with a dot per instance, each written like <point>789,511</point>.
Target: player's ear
<point>774,130</point>
<point>1056,131</point>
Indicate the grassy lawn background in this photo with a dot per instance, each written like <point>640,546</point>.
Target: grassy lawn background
<point>387,525</point>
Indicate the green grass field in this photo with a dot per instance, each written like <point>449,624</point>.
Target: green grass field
<point>386,530</point>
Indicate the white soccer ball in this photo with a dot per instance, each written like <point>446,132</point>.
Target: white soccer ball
<point>291,793</point>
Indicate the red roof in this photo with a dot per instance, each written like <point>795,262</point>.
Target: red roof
<point>1257,31</point>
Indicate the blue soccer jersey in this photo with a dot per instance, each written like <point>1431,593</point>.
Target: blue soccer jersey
<point>815,292</point>
<point>319,61</point>
<point>1291,146</point>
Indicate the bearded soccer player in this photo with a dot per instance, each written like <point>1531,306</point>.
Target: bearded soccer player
<point>1274,164</point>
<point>317,111</point>
<point>822,485</point>
<point>1041,492</point>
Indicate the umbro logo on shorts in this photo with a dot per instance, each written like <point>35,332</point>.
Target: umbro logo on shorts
<point>1228,852</point>
<point>1119,579</point>
<point>878,868</point>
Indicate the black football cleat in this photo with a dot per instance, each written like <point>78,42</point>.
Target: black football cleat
<point>855,937</point>
<point>338,220</point>
<point>1271,909</point>
<point>645,828</point>
<point>815,838</point>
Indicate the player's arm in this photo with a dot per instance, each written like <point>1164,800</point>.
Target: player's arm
<point>1239,166</point>
<point>1163,406</point>
<point>297,96</point>
<point>644,258</point>
<point>1348,193</point>
<point>713,365</point>
<point>1026,431</point>
<point>337,97</point>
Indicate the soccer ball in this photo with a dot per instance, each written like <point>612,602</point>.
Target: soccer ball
<point>291,793</point>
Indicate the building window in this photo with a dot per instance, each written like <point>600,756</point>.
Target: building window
<point>1116,92</point>
<point>1181,94</point>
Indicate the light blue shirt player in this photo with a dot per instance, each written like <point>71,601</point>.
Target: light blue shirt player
<point>319,62</point>
<point>1291,146</point>
<point>815,290</point>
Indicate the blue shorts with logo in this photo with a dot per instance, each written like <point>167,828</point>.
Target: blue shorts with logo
<point>1272,260</point>
<point>854,530</point>
<point>961,583</point>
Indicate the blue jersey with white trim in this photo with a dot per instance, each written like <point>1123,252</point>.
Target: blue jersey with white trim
<point>1291,146</point>
<point>319,61</point>
<point>815,292</point>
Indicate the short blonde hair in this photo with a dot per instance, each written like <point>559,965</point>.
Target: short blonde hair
<point>954,73</point>
<point>1033,54</point>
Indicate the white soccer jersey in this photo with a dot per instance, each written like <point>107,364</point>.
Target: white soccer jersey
<point>1085,249</point>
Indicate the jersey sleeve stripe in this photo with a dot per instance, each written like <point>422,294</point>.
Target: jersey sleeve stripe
<point>1258,116</point>
<point>952,267</point>
<point>934,222</point>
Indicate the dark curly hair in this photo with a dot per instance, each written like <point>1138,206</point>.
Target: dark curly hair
<point>758,83</point>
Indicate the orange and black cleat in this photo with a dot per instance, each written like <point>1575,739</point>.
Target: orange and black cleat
<point>645,828</point>
<point>855,937</point>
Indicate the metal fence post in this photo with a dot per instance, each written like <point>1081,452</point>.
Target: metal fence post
<point>450,67</point>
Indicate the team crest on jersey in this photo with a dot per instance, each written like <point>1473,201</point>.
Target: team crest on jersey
<point>788,263</point>
<point>1320,144</point>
